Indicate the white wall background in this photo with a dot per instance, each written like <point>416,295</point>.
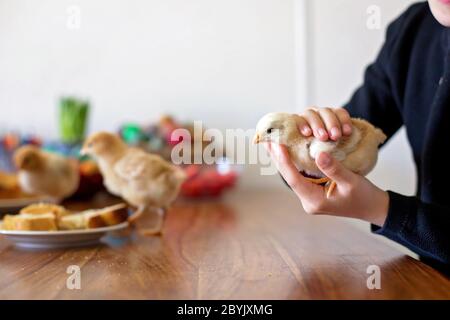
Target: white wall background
<point>226,62</point>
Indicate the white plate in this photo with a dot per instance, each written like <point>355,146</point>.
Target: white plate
<point>38,240</point>
<point>14,205</point>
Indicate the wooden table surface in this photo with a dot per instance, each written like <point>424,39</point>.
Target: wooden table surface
<point>257,245</point>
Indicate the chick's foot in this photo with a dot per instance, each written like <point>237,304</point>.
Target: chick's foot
<point>154,232</point>
<point>330,188</point>
<point>157,230</point>
<point>318,180</point>
<point>330,185</point>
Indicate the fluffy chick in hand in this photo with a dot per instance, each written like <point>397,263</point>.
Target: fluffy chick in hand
<point>46,174</point>
<point>357,152</point>
<point>144,180</point>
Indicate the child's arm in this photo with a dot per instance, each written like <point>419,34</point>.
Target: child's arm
<point>422,227</point>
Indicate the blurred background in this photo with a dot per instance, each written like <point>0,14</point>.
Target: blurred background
<point>224,62</point>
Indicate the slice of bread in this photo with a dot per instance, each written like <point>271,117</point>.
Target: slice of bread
<point>95,218</point>
<point>27,222</point>
<point>114,214</point>
<point>9,187</point>
<point>72,222</point>
<point>44,208</point>
<point>8,181</point>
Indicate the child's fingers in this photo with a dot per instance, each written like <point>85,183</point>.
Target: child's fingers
<point>345,120</point>
<point>332,123</point>
<point>334,170</point>
<point>303,126</point>
<point>315,122</point>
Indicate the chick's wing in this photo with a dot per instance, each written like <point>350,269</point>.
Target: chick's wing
<point>137,164</point>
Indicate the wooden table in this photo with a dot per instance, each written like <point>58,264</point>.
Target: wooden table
<point>257,245</point>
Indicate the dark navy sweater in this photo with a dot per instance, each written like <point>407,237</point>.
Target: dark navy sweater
<point>409,85</point>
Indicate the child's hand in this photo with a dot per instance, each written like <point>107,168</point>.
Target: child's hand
<point>354,196</point>
<point>325,123</point>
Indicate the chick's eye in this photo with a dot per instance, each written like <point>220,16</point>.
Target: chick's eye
<point>269,131</point>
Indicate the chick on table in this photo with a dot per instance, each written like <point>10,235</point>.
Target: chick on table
<point>46,174</point>
<point>144,180</point>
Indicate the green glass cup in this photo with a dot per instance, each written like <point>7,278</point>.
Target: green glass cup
<point>73,118</point>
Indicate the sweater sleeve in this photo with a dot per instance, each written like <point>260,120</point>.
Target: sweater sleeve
<point>421,227</point>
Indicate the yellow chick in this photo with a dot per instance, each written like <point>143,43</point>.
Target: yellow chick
<point>46,174</point>
<point>357,152</point>
<point>144,180</point>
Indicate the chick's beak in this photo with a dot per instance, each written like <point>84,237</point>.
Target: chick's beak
<point>256,139</point>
